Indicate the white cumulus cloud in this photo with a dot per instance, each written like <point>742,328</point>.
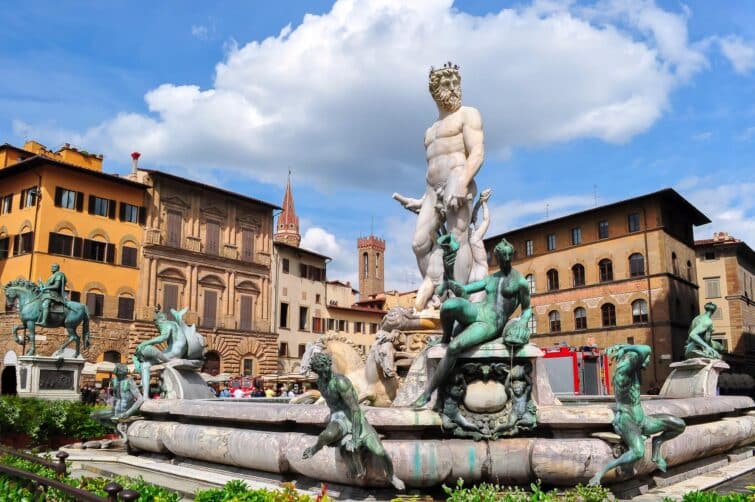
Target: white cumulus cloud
<point>342,97</point>
<point>740,54</point>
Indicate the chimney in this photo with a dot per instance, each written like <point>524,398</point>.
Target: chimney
<point>135,161</point>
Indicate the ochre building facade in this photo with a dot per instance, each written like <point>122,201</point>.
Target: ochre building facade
<point>620,273</point>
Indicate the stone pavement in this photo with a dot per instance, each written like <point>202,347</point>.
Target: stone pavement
<point>700,482</point>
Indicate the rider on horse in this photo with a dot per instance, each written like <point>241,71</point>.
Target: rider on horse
<point>54,290</point>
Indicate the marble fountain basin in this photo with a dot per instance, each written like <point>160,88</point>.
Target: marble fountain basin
<point>563,450</point>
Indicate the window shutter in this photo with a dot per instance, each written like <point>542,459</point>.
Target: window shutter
<point>91,303</point>
<point>77,246</point>
<point>58,196</point>
<point>245,318</point>
<point>16,240</point>
<point>21,199</point>
<point>121,211</point>
<point>79,201</point>
<point>111,209</point>
<point>170,297</point>
<point>91,204</point>
<point>110,253</point>
<point>142,215</point>
<point>210,306</point>
<point>51,243</point>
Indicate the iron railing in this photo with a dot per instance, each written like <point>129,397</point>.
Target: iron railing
<point>114,490</point>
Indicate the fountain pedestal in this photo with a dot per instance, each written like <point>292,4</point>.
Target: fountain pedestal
<point>696,377</point>
<point>49,377</point>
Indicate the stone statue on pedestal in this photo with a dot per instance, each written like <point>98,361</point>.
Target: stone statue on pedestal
<point>699,340</point>
<point>128,400</point>
<point>348,428</point>
<point>455,152</point>
<point>467,325</point>
<point>183,342</point>
<point>630,421</point>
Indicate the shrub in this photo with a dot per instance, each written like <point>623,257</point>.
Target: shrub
<point>237,491</point>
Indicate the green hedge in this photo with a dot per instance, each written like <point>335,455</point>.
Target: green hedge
<point>42,420</point>
<point>17,490</point>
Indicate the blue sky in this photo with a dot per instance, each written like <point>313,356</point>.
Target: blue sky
<point>612,98</point>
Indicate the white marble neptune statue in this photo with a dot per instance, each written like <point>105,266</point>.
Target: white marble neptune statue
<point>455,151</point>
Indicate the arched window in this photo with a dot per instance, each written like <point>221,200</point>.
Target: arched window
<point>606,270</point>
<point>580,318</point>
<point>636,265</point>
<point>552,279</point>
<point>365,265</point>
<point>639,311</point>
<point>531,279</point>
<point>674,263</point>
<point>555,321</point>
<point>608,314</point>
<point>689,270</point>
<point>377,266</point>
<point>578,275</point>
<point>211,363</point>
<point>112,356</point>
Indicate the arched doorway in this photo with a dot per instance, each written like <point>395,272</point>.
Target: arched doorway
<point>8,376</point>
<point>211,363</point>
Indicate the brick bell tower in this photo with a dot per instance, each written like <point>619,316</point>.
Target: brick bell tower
<point>287,229</point>
<point>371,252</point>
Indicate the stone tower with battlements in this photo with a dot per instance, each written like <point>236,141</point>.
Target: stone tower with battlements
<point>371,251</point>
<point>287,228</point>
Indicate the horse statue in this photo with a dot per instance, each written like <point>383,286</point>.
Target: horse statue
<point>29,296</point>
<point>374,376</point>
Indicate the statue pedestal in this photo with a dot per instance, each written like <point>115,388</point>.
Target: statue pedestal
<point>693,378</point>
<point>49,377</point>
<point>181,380</point>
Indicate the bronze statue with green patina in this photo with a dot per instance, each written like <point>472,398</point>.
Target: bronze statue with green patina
<point>127,398</point>
<point>700,341</point>
<point>347,427</point>
<point>46,305</point>
<point>630,421</point>
<point>467,325</point>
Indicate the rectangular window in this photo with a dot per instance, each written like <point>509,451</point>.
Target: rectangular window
<point>129,213</point>
<point>4,247</point>
<point>125,308</point>
<point>68,199</point>
<point>358,327</point>
<point>283,349</point>
<point>603,229</point>
<point>247,245</point>
<point>248,367</point>
<point>303,270</point>
<point>303,319</point>
<point>212,244</point>
<point>128,256</point>
<point>633,222</point>
<point>342,326</point>
<point>318,298</point>
<point>23,243</point>
<point>95,303</point>
<point>331,324</point>
<point>170,297</point>
<point>283,320</point>
<point>209,319</point>
<point>95,250</point>
<point>28,197</point>
<point>7,204</point>
<point>175,224</point>
<point>551,239</point>
<point>529,248</point>
<point>60,244</point>
<point>318,325</point>
<point>246,313</point>
<point>576,236</point>
<point>712,287</point>
<point>74,296</point>
<point>285,265</point>
<point>302,350</point>
<point>710,255</point>
<point>101,207</point>
<point>373,328</point>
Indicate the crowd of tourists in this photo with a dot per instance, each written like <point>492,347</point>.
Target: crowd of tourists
<point>258,389</point>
